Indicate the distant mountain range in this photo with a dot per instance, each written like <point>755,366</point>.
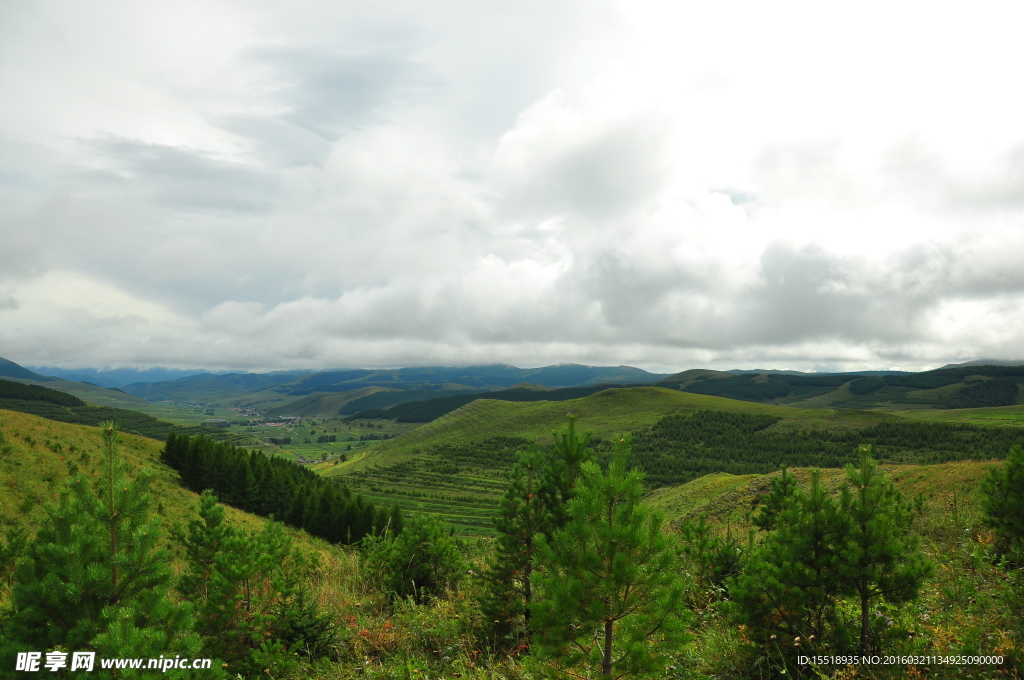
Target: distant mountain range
<point>351,391</point>
<point>118,377</point>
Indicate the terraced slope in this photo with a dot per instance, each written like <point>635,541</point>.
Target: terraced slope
<point>456,466</point>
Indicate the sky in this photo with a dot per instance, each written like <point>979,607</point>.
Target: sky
<point>264,185</point>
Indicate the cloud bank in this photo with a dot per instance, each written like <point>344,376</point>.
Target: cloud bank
<point>235,186</point>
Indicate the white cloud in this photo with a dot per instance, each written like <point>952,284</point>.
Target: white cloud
<point>218,184</point>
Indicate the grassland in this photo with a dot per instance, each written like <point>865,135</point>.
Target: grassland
<point>999,416</point>
<point>437,468</point>
<point>43,456</point>
<point>729,500</point>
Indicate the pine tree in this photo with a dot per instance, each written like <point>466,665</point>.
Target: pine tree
<point>881,558</point>
<point>789,588</point>
<point>521,518</point>
<point>571,451</point>
<point>203,543</point>
<point>609,582</point>
<point>1002,503</point>
<point>246,586</point>
<point>96,579</point>
<point>421,562</point>
<point>782,490</point>
<point>254,614</point>
<point>712,559</point>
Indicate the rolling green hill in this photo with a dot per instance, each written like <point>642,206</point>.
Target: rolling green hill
<point>950,388</point>
<point>67,408</point>
<point>322,405</point>
<point>9,369</point>
<point>456,466</point>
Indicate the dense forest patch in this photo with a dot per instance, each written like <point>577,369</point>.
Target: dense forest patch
<point>979,387</point>
<point>680,448</point>
<point>432,409</point>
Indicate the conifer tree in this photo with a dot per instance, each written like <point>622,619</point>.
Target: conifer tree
<point>521,518</point>
<point>96,577</point>
<point>421,562</point>
<point>203,543</point>
<point>571,451</point>
<point>1002,503</point>
<point>254,613</point>
<point>710,558</point>
<point>609,582</point>
<point>881,558</point>
<point>789,588</point>
<point>782,491</point>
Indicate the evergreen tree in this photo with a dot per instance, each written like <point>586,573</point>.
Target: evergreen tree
<point>611,598</point>
<point>421,562</point>
<point>521,518</point>
<point>789,589</point>
<point>711,559</point>
<point>782,491</point>
<point>96,579</point>
<point>14,546</point>
<point>1002,503</point>
<point>203,543</point>
<point>254,614</point>
<point>571,451</point>
<point>881,558</point>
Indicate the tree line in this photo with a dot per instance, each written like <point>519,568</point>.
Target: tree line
<point>679,448</point>
<point>1000,389</point>
<point>276,487</point>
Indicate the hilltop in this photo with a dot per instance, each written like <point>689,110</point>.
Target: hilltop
<point>9,369</point>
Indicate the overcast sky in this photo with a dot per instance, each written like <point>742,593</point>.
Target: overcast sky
<point>265,185</point>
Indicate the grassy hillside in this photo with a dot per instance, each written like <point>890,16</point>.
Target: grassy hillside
<point>606,413</point>
<point>9,369</point>
<point>729,500</point>
<point>323,405</point>
<point>67,408</point>
<point>41,456</point>
<point>998,416</point>
<point>456,466</point>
